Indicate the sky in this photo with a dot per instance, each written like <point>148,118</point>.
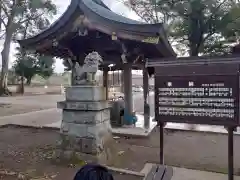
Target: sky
<point>115,5</point>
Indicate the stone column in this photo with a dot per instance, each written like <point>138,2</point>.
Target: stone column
<point>146,98</point>
<point>127,73</point>
<point>85,130</point>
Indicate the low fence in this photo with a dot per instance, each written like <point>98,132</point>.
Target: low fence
<point>34,90</point>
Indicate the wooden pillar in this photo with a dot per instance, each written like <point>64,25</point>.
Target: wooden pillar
<point>119,79</point>
<point>72,76</point>
<point>122,81</point>
<point>105,81</point>
<point>146,98</point>
<point>113,77</point>
<point>127,73</point>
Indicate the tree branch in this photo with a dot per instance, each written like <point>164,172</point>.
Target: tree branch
<point>132,6</point>
<point>2,36</point>
<point>2,22</point>
<point>213,13</point>
<point>234,20</point>
<point>30,19</point>
<point>155,11</point>
<point>208,36</point>
<point>4,8</point>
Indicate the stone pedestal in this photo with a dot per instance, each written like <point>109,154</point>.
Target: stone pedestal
<point>85,130</point>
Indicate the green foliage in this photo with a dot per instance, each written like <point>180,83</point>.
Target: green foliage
<point>15,15</point>
<point>21,19</point>
<point>202,26</point>
<point>28,65</point>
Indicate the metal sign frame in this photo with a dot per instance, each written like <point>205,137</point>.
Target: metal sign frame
<point>201,71</point>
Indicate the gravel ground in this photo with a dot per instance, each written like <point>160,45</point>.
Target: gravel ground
<point>30,156</point>
<point>28,151</point>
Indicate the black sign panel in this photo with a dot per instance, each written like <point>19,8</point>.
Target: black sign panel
<point>198,98</point>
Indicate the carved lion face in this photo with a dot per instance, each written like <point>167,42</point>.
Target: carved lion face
<point>93,59</point>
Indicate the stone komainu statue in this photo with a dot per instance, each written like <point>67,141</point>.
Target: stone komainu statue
<point>87,72</point>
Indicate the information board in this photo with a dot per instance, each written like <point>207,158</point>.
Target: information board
<point>197,98</point>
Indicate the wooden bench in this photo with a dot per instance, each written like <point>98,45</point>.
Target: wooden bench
<point>160,172</point>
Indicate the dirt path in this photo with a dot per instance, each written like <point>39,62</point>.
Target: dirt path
<point>35,118</point>
<point>25,104</point>
<point>12,109</point>
<point>40,100</point>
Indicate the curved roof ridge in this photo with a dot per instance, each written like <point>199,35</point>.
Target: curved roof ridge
<point>66,15</point>
<point>100,2</point>
<point>109,14</point>
<point>71,7</point>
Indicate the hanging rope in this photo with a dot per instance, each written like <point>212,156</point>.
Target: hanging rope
<point>93,172</point>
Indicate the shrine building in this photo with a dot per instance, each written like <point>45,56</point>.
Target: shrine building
<point>89,25</point>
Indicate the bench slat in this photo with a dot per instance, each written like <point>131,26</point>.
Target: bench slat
<point>152,172</point>
<point>160,173</point>
<point>168,173</point>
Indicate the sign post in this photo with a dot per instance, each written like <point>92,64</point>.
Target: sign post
<point>161,143</point>
<point>198,94</point>
<point>230,154</point>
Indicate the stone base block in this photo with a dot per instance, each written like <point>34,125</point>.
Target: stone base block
<point>73,151</point>
<point>85,117</point>
<point>85,93</point>
<point>96,131</point>
<point>83,144</point>
<point>83,105</point>
<point>87,140</point>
